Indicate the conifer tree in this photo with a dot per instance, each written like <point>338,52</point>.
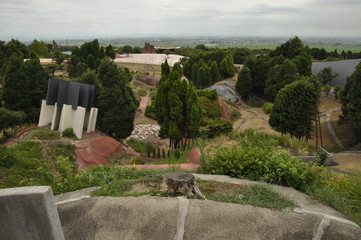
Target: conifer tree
<point>214,72</point>
<point>117,104</point>
<point>244,83</point>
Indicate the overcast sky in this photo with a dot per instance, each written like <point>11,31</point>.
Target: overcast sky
<point>48,19</point>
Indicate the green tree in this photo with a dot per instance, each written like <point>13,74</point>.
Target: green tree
<point>351,101</point>
<point>279,76</point>
<point>214,72</point>
<point>90,61</point>
<point>109,51</point>
<point>226,68</point>
<point>10,119</point>
<point>165,69</point>
<point>201,78</point>
<point>177,68</point>
<point>40,48</point>
<point>325,75</point>
<point>244,83</point>
<point>117,104</point>
<point>295,108</point>
<point>127,49</point>
<point>25,84</point>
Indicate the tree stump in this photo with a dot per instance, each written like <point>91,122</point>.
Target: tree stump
<point>180,182</point>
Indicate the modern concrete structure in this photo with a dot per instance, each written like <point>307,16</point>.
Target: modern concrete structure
<point>29,213</point>
<point>69,105</point>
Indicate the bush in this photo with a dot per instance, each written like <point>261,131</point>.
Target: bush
<point>337,91</point>
<point>142,92</point>
<point>211,108</point>
<point>143,147</point>
<point>7,158</point>
<point>150,112</point>
<point>261,162</point>
<point>216,127</point>
<point>267,107</point>
<point>210,94</point>
<point>68,132</point>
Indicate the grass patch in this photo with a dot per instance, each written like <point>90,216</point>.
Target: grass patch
<point>143,147</point>
<point>142,92</point>
<point>41,134</point>
<point>254,103</point>
<point>259,195</point>
<point>342,192</point>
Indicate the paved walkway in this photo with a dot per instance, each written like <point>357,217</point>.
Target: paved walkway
<point>329,125</point>
<point>149,217</point>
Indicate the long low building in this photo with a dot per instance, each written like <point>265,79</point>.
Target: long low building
<point>343,68</point>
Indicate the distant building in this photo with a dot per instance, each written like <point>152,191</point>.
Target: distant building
<point>69,105</point>
<point>148,48</point>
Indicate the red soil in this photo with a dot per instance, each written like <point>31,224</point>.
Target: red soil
<point>226,115</point>
<point>150,80</point>
<point>194,156</point>
<point>96,151</point>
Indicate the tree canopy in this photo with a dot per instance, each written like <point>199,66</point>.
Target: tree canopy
<point>296,107</point>
<point>117,104</point>
<point>351,101</point>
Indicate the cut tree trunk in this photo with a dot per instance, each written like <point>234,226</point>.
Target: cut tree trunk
<point>180,182</point>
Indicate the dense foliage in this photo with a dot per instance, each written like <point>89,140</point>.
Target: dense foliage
<point>206,68</point>
<point>351,101</point>
<point>25,85</point>
<point>296,107</point>
<point>244,83</point>
<point>117,104</point>
<point>256,159</point>
<point>177,109</point>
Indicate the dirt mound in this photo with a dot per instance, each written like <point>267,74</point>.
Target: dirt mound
<point>194,156</point>
<point>226,115</point>
<point>150,80</point>
<point>96,151</point>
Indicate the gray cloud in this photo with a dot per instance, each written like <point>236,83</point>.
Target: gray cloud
<point>86,18</point>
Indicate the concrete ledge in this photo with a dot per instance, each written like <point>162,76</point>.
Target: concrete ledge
<point>29,213</point>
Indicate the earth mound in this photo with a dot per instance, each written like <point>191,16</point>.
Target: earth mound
<point>96,151</point>
<point>150,80</point>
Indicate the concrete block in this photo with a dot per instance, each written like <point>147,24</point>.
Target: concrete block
<point>46,114</point>
<point>29,213</point>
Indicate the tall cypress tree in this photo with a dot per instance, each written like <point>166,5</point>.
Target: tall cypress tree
<point>244,83</point>
<point>117,104</point>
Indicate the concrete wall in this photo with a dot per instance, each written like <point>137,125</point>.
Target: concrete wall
<point>46,114</point>
<point>68,117</point>
<point>71,118</point>
<point>29,213</point>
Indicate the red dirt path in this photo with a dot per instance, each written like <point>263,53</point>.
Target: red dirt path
<point>96,151</point>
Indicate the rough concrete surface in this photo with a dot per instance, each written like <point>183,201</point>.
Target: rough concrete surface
<point>214,220</point>
<point>120,218</point>
<point>29,213</point>
<point>179,218</point>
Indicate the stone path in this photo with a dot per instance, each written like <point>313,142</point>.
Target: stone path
<point>329,125</point>
<point>143,131</point>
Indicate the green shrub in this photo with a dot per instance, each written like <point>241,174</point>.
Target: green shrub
<point>68,132</point>
<point>7,158</point>
<point>261,162</point>
<point>267,107</point>
<point>337,91</point>
<point>143,147</point>
<point>137,161</point>
<point>64,166</point>
<point>142,92</point>
<point>153,94</point>
<point>211,108</point>
<point>210,94</point>
<point>216,127</point>
<point>150,112</point>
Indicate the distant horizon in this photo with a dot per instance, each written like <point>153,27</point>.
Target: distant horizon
<point>89,19</point>
<point>185,36</point>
